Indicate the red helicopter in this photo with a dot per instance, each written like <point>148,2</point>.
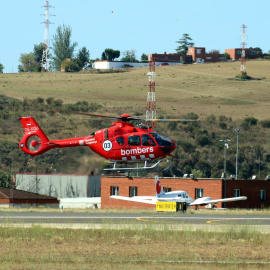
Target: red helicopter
<point>122,142</point>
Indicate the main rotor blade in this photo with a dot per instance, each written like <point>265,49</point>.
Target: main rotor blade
<point>126,117</point>
<point>171,120</point>
<point>97,115</point>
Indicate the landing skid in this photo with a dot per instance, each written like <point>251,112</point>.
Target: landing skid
<point>145,167</point>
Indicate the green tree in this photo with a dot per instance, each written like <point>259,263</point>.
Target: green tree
<point>184,42</point>
<point>227,56</point>
<point>62,46</point>
<point>110,54</point>
<point>258,49</point>
<point>38,51</point>
<point>144,57</point>
<point>70,65</point>
<point>129,56</point>
<point>1,68</point>
<point>5,179</point>
<point>214,51</point>
<point>83,57</point>
<point>28,63</point>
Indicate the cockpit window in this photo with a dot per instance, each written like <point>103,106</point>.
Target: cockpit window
<point>134,140</point>
<point>120,140</point>
<point>147,140</point>
<point>162,140</point>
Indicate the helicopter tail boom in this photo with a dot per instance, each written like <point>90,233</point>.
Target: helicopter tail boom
<point>34,141</point>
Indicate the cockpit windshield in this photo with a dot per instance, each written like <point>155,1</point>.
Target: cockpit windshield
<point>162,140</point>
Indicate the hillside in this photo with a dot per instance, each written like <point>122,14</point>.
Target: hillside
<point>209,91</point>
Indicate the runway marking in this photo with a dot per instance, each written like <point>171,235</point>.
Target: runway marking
<point>229,219</point>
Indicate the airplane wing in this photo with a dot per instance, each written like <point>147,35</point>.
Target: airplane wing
<point>208,200</point>
<point>141,199</point>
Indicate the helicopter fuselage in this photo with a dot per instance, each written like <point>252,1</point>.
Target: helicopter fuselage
<point>122,142</point>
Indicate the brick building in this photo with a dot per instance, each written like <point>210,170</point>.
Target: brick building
<point>170,58</point>
<point>200,56</point>
<point>255,190</point>
<point>235,54</point>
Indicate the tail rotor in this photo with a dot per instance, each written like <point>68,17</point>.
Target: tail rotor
<point>33,143</point>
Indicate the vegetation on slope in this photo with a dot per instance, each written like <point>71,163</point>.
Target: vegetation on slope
<point>205,92</point>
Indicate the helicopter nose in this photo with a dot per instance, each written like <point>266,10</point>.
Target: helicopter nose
<point>168,149</point>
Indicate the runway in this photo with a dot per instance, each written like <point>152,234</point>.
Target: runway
<point>174,221</point>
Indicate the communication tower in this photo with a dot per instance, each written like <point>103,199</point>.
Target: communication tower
<point>46,45</point>
<point>151,96</point>
<point>243,54</point>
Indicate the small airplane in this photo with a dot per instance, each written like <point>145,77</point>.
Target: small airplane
<point>122,142</point>
<point>175,196</point>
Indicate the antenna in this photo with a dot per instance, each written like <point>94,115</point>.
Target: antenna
<point>243,55</point>
<point>46,45</point>
<point>151,97</point>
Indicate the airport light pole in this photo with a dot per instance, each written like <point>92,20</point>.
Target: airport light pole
<point>237,130</point>
<point>226,146</point>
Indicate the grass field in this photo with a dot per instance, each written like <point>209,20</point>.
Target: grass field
<point>203,89</point>
<point>131,248</point>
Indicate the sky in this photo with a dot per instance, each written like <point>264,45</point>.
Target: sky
<point>146,26</point>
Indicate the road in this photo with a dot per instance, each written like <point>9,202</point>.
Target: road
<point>136,220</point>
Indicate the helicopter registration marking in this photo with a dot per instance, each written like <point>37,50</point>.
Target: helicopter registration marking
<point>107,145</point>
<point>28,129</point>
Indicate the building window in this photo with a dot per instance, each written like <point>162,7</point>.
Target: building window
<point>134,140</point>
<point>115,190</point>
<point>262,195</point>
<point>253,52</point>
<point>236,192</point>
<point>198,51</point>
<point>238,52</point>
<point>199,193</point>
<point>167,189</point>
<point>133,191</point>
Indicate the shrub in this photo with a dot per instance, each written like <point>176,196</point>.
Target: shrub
<point>222,118</point>
<point>211,119</point>
<point>191,115</point>
<point>223,125</point>
<point>187,146</point>
<point>203,139</point>
<point>265,123</point>
<point>251,120</point>
<point>172,126</point>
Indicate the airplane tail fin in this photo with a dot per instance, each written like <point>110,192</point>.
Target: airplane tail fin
<point>159,190</point>
<point>34,141</point>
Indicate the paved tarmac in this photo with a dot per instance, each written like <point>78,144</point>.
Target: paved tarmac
<point>176,221</point>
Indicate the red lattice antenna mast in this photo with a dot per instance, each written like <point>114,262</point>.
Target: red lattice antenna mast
<point>46,45</point>
<point>151,96</point>
<point>243,55</point>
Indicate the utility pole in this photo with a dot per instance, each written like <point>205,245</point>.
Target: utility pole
<point>243,55</point>
<point>226,146</point>
<point>46,45</point>
<point>151,97</point>
<point>237,130</point>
